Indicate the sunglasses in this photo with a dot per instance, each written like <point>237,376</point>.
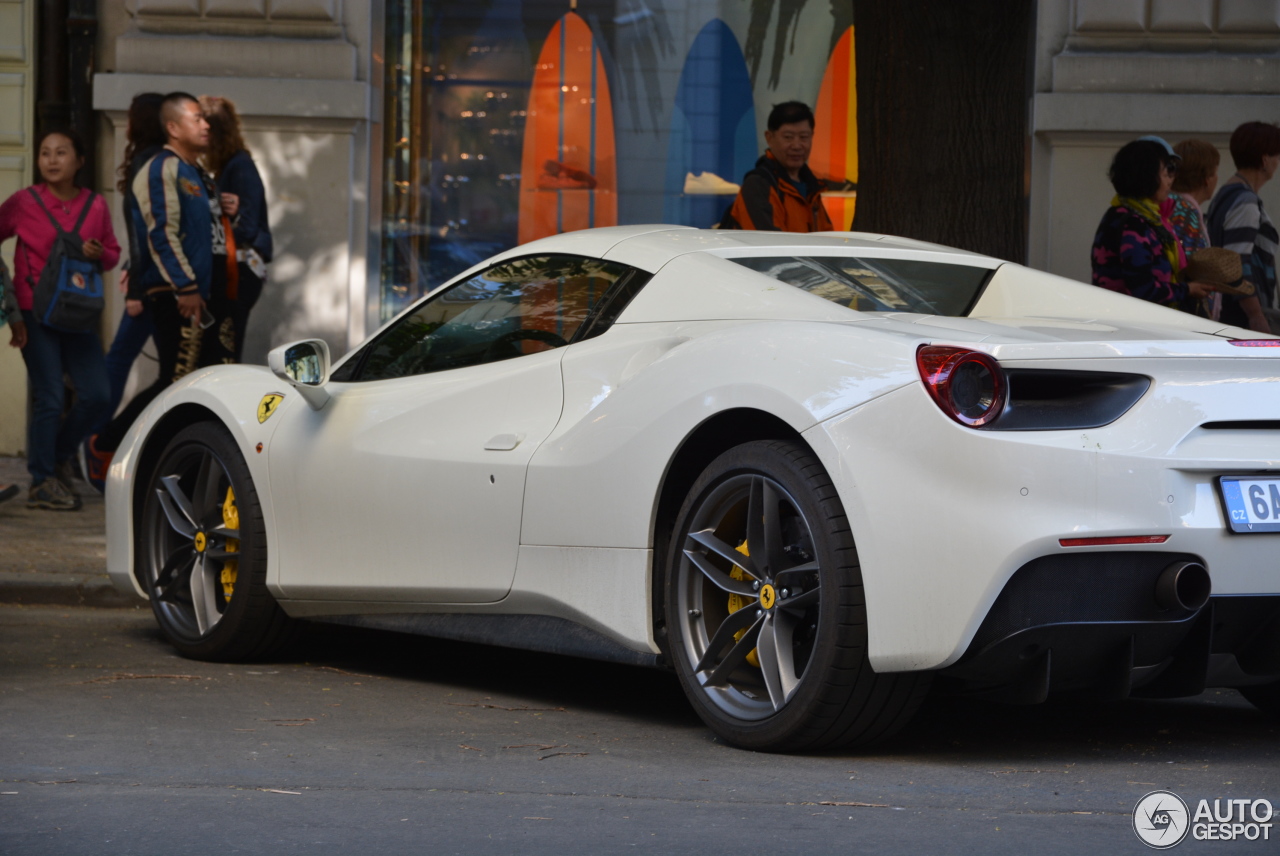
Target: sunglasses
<point>1172,167</point>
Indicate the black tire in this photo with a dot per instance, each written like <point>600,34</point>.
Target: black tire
<point>828,696</point>
<point>1265,697</point>
<point>187,562</point>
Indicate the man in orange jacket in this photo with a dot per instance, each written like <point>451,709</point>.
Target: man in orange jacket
<point>781,193</point>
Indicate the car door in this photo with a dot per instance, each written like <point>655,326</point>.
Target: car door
<point>409,484</point>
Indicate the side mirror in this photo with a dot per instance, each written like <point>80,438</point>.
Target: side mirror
<point>305,365</point>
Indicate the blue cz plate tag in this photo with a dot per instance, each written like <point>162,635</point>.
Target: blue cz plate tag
<point>1253,504</point>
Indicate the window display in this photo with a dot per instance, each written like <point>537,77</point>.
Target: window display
<point>510,120</point>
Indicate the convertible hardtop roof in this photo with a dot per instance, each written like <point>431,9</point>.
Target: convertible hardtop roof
<point>652,246</point>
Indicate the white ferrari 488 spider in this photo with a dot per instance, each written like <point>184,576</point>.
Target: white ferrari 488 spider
<point>812,474</point>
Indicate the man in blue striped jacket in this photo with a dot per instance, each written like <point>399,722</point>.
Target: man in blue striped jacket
<point>174,221</point>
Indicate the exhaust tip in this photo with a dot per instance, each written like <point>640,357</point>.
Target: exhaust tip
<point>1183,585</point>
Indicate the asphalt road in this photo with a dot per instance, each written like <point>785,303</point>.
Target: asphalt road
<point>362,742</point>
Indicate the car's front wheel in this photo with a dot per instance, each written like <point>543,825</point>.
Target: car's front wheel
<point>202,551</point>
<point>765,613</point>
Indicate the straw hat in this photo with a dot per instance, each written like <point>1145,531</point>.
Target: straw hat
<point>1220,269</point>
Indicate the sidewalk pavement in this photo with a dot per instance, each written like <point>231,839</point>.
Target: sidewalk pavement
<point>54,557</point>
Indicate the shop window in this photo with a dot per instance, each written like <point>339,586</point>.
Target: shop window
<point>510,120</point>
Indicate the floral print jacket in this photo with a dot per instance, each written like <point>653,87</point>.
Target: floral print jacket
<point>1129,257</point>
<point>1188,224</point>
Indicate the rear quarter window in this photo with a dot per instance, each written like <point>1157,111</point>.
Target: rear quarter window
<point>878,285</point>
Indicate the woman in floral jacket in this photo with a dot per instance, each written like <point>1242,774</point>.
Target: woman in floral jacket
<point>1136,250</point>
<point>1193,187</point>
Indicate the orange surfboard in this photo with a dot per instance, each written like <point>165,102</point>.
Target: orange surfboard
<point>835,139</point>
<point>568,177</point>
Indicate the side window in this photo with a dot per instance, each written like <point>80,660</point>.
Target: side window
<point>516,308</point>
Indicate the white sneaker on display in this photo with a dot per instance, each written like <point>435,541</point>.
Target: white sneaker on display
<point>708,184</point>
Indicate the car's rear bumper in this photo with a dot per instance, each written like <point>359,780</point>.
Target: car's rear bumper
<point>1094,624</point>
<point>944,516</point>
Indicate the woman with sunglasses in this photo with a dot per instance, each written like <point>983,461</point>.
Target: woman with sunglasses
<point>1136,249</point>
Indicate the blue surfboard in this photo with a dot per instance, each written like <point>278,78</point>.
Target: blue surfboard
<point>713,126</point>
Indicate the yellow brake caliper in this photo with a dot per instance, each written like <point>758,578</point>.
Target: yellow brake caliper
<point>737,601</point>
<point>231,520</point>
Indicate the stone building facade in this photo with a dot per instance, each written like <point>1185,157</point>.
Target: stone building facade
<point>1109,71</point>
<point>17,128</point>
<point>320,82</point>
<point>302,74</point>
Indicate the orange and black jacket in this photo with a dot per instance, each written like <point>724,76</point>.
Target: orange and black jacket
<point>769,200</point>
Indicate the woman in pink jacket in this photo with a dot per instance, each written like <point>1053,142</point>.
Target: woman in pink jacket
<point>49,354</point>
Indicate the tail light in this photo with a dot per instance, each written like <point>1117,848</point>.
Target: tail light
<point>969,386</point>
<point>1254,343</point>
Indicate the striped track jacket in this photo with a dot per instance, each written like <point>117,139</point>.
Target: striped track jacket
<point>173,212</point>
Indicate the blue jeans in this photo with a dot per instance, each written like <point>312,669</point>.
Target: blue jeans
<point>48,355</point>
<point>130,339</point>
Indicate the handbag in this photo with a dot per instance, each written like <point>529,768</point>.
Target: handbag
<point>69,295</point>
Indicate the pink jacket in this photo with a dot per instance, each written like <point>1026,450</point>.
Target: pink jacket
<point>20,215</point>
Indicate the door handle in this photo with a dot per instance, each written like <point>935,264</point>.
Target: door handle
<point>503,442</point>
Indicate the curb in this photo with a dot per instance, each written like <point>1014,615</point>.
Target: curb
<point>63,590</point>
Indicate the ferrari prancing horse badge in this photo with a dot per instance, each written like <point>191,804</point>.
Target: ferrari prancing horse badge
<point>268,405</point>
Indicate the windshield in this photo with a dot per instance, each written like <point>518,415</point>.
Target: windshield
<point>878,285</point>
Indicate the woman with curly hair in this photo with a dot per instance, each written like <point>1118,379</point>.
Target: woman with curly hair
<point>1136,250</point>
<point>244,200</point>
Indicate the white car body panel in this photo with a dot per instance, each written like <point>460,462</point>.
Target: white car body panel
<point>932,575</point>
<point>604,589</point>
<point>608,442</point>
<point>378,498</point>
<point>374,502</point>
<point>232,395</point>
<point>1020,292</point>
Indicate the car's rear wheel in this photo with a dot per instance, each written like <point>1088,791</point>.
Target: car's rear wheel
<point>765,612</point>
<point>202,551</point>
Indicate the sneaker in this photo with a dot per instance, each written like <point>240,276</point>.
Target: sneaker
<point>708,184</point>
<point>67,476</point>
<point>52,496</point>
<point>9,491</point>
<point>94,464</point>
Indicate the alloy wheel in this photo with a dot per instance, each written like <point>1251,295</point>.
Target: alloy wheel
<point>749,595</point>
<point>192,527</point>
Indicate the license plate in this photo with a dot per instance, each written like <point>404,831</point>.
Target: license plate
<point>1253,504</point>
